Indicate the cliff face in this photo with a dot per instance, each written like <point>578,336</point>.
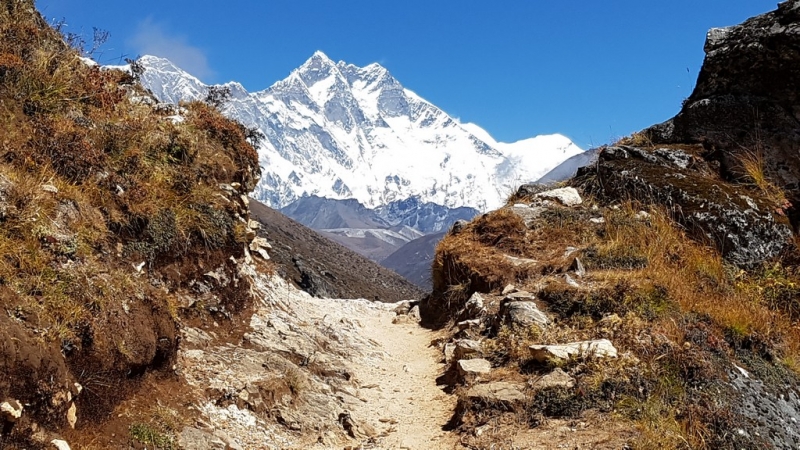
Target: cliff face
<point>747,98</point>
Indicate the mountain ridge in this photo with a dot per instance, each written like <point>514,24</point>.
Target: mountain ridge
<point>342,131</point>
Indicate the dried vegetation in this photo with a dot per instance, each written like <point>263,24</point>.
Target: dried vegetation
<point>679,314</point>
<point>109,205</point>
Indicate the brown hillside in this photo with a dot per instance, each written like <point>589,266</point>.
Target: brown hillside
<point>111,209</point>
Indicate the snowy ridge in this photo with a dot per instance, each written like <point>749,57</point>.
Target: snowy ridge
<point>340,131</point>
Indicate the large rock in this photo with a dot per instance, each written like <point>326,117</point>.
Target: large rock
<point>747,96</point>
<point>467,348</point>
<point>522,313</point>
<point>601,348</point>
<point>556,378</point>
<point>567,196</point>
<point>498,394</point>
<point>743,226</point>
<point>469,369</point>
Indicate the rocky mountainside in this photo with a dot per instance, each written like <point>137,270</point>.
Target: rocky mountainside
<point>340,131</point>
<point>657,292</point>
<point>375,233</point>
<point>413,260</point>
<point>323,268</point>
<point>746,104</point>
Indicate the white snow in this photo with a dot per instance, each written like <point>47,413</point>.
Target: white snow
<point>353,132</point>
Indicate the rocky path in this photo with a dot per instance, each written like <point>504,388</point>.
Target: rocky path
<point>319,373</point>
<point>405,394</point>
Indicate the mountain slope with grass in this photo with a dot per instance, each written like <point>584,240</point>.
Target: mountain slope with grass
<point>113,212</point>
<point>655,293</point>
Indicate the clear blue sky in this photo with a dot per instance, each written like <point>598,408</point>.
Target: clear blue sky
<point>592,70</point>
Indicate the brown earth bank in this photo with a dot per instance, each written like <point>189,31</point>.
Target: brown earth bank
<point>116,225</point>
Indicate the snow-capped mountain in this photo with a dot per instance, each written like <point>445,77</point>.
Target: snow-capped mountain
<point>340,131</point>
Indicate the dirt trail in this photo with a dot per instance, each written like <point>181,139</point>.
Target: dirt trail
<point>405,389</point>
<point>353,370</point>
<point>394,368</point>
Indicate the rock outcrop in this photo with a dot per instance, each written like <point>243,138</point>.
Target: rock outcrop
<point>744,225</point>
<point>747,98</point>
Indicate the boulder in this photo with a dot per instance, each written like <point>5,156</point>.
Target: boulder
<point>469,369</point>
<point>600,348</point>
<point>474,307</point>
<point>522,314</point>
<point>499,394</point>
<point>567,196</point>
<point>467,348</point>
<point>556,378</point>
<point>747,96</point>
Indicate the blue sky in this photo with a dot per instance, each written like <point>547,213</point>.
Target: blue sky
<point>591,70</point>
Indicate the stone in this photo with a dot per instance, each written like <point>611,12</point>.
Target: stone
<point>402,307</point>
<point>414,314</point>
<point>600,348</point>
<point>473,324</point>
<point>531,189</point>
<point>570,281</point>
<point>473,307</point>
<point>467,348</point>
<point>59,444</point>
<point>499,394</point>
<point>523,314</point>
<point>449,352</point>
<point>518,295</point>
<point>567,196</point>
<point>72,415</point>
<point>509,289</point>
<point>468,369</point>
<point>577,267</point>
<point>11,410</point>
<point>50,188</point>
<point>259,245</point>
<point>597,220</point>
<point>191,438</point>
<point>457,226</point>
<point>528,214</point>
<point>556,378</point>
<point>520,261</point>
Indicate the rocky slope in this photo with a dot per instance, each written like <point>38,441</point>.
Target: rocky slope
<point>120,221</point>
<point>323,268</point>
<point>745,103</point>
<point>663,303</point>
<point>340,131</point>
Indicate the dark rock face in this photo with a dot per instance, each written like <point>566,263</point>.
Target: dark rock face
<point>741,225</point>
<point>747,97</point>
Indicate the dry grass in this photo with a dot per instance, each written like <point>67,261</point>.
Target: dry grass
<point>680,307</point>
<point>753,169</point>
<point>94,182</point>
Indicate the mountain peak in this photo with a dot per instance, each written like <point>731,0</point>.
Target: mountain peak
<point>341,131</point>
